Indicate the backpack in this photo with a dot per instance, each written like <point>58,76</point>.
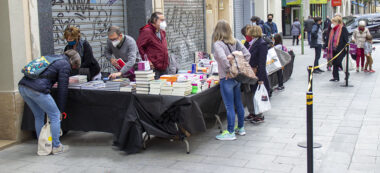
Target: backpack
<point>35,68</point>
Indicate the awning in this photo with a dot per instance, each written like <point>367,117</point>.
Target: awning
<point>293,2</point>
<point>318,1</point>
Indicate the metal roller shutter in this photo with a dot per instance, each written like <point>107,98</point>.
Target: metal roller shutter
<point>185,30</point>
<point>239,18</point>
<point>93,17</point>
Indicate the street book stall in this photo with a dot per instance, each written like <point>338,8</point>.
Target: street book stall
<point>174,107</point>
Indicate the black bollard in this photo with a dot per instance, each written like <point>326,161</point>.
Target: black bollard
<point>347,73</point>
<point>309,126</point>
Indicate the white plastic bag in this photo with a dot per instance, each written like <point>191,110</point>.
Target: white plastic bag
<point>273,62</point>
<point>261,100</point>
<point>351,64</point>
<point>45,140</point>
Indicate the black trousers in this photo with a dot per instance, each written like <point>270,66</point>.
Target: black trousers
<point>318,50</point>
<point>280,78</point>
<point>295,37</point>
<point>337,63</point>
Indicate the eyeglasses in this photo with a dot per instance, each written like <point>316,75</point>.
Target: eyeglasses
<point>114,39</point>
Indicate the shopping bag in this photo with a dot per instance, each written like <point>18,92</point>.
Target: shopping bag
<point>273,62</point>
<point>353,48</point>
<point>45,140</point>
<point>351,64</point>
<point>284,57</point>
<point>261,100</point>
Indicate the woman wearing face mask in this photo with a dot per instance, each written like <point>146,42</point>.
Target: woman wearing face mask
<point>74,41</point>
<point>259,50</point>
<point>359,37</point>
<point>337,40</point>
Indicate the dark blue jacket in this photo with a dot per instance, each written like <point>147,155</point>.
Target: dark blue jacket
<point>58,71</point>
<point>272,28</point>
<point>314,36</point>
<point>259,51</point>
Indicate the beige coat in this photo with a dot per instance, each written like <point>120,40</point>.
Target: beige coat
<point>359,38</point>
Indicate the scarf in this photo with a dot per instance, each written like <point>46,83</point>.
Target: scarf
<point>334,39</point>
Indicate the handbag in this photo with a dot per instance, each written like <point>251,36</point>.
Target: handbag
<point>353,48</point>
<point>240,69</point>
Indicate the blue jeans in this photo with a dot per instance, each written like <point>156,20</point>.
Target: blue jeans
<point>231,95</point>
<point>40,104</point>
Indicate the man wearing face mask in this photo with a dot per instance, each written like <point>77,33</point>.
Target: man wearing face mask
<point>272,27</point>
<point>152,44</point>
<point>123,47</point>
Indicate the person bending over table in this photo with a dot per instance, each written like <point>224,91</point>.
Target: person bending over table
<point>36,94</point>
<point>123,47</point>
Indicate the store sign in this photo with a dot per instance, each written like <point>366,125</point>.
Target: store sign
<point>293,2</point>
<point>318,1</point>
<point>335,3</point>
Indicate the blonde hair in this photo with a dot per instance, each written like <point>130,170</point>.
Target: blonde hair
<point>223,32</point>
<point>72,32</point>
<point>337,19</point>
<point>254,31</point>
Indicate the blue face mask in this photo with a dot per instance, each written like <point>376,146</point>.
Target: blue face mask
<point>72,43</point>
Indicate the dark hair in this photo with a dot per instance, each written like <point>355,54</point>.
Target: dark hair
<point>277,39</point>
<point>317,19</point>
<point>114,29</point>
<point>244,30</point>
<point>255,18</point>
<point>270,15</point>
<point>296,19</point>
<point>154,17</point>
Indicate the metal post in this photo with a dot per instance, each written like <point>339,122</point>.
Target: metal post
<point>309,120</point>
<point>347,73</point>
<point>302,29</point>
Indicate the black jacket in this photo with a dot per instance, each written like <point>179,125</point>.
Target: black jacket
<point>88,61</point>
<point>58,71</point>
<point>327,23</point>
<point>314,35</point>
<point>259,51</point>
<point>342,43</point>
<point>308,25</point>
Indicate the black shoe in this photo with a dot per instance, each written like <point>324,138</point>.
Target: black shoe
<point>257,119</point>
<point>249,117</point>
<point>334,80</point>
<point>316,71</point>
<point>280,88</point>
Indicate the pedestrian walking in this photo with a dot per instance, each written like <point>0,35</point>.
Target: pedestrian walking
<point>76,42</point>
<point>359,37</point>
<point>296,30</point>
<point>224,45</point>
<point>308,24</point>
<point>259,50</point>
<point>368,53</point>
<point>338,39</point>
<point>316,42</point>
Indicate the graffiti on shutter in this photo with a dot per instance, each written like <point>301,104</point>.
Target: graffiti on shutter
<point>93,18</point>
<point>185,29</point>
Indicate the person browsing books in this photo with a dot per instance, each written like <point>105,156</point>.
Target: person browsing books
<point>122,52</point>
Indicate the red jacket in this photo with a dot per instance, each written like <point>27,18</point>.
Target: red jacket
<point>155,49</point>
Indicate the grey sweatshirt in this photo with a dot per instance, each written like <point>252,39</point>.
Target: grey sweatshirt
<point>221,52</point>
<point>367,47</point>
<point>128,52</point>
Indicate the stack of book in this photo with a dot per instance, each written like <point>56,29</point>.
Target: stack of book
<point>93,85</point>
<point>75,82</point>
<point>155,86</point>
<point>128,88</point>
<point>181,88</point>
<point>112,86</point>
<point>166,89</point>
<point>143,79</point>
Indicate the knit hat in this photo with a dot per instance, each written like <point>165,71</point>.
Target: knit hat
<point>362,23</point>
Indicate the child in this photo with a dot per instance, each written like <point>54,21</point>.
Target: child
<point>278,45</point>
<point>368,52</point>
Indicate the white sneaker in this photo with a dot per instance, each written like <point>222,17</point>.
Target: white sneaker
<point>61,149</point>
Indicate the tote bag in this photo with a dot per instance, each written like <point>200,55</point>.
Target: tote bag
<point>45,140</point>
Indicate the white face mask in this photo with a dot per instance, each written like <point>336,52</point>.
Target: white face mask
<point>163,25</point>
<point>332,25</point>
<point>254,24</point>
<point>115,43</point>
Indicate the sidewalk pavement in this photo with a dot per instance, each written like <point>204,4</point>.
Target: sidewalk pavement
<point>346,123</point>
